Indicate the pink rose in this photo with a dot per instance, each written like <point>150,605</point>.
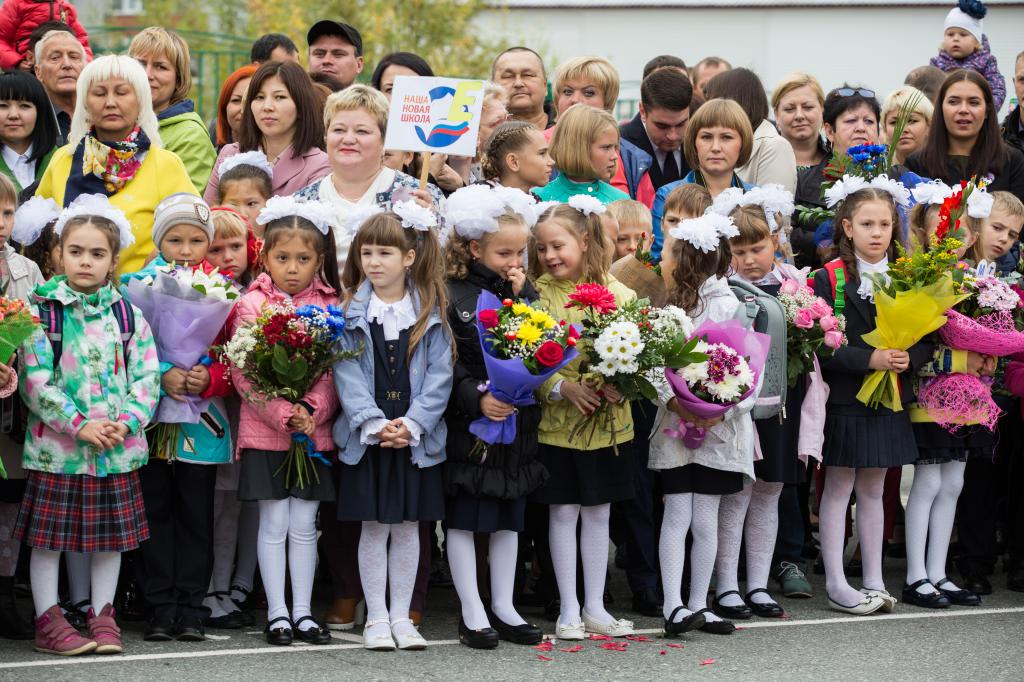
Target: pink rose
<point>834,338</point>
<point>803,319</point>
<point>828,323</point>
<point>820,308</point>
<point>790,287</point>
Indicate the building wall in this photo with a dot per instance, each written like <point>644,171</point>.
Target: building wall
<point>874,47</point>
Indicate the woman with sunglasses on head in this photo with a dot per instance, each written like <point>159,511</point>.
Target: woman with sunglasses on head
<point>851,116</point>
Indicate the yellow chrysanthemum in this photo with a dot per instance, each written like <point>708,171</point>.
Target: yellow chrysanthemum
<point>529,333</point>
<point>521,309</point>
<point>542,319</point>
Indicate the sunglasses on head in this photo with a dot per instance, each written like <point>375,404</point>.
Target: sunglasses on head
<point>850,92</point>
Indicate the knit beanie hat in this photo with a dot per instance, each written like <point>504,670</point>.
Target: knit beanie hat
<point>181,209</point>
<point>968,15</point>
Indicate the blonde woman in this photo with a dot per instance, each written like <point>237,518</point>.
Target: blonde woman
<point>916,131</point>
<point>798,102</point>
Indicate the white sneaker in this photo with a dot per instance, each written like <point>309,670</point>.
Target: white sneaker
<point>869,604</point>
<point>570,632</point>
<point>412,641</point>
<point>378,642</point>
<point>616,628</point>
<point>889,601</point>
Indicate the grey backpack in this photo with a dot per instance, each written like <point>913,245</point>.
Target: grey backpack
<point>763,313</point>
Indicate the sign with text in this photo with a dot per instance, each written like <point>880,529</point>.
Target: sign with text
<point>434,115</point>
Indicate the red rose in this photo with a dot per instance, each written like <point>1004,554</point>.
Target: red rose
<point>488,318</point>
<point>592,296</point>
<point>549,354</point>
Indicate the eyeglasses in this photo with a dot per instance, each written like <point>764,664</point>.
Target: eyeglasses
<point>850,92</point>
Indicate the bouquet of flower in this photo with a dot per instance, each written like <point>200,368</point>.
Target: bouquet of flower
<point>641,273</point>
<point>811,328</point>
<point>523,346</point>
<point>283,354</point>
<point>625,345</point>
<point>17,322</point>
<point>186,308</point>
<point>734,360</point>
<point>985,322</point>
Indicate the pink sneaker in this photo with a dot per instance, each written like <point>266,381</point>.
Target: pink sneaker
<point>54,635</point>
<point>104,631</point>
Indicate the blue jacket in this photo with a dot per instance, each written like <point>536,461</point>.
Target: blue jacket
<point>635,162</point>
<point>658,208</point>
<point>430,377</point>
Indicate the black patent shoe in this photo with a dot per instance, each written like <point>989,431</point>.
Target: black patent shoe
<point>279,636</point>
<point>318,634</point>
<point>190,629</point>
<point>741,612</point>
<point>527,633</point>
<point>716,627</point>
<point>960,597</point>
<point>159,629</point>
<point>484,638</point>
<point>691,622</point>
<point>764,609</point>
<point>933,600</point>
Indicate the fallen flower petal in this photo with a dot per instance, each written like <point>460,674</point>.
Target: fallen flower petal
<point>663,652</point>
<point>546,645</point>
<point>638,638</point>
<point>674,646</point>
<point>545,658</point>
<point>600,638</point>
<point>572,649</point>
<point>708,661</point>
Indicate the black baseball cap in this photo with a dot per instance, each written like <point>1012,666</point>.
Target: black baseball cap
<point>326,27</point>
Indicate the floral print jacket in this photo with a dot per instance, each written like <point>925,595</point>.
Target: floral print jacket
<point>92,381</point>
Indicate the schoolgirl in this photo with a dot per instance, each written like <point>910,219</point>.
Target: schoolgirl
<point>246,185</point>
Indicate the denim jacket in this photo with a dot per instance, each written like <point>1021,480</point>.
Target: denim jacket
<point>430,376</point>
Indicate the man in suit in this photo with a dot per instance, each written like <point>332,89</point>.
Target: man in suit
<point>659,128</point>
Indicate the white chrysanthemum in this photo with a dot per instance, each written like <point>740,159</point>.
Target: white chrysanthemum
<point>415,216</point>
<point>586,204</point>
<point>673,320</point>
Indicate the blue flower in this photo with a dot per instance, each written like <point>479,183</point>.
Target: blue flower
<point>309,311</point>
<point>860,157</point>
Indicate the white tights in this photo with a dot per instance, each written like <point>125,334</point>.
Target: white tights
<point>751,515</point>
<point>503,555</point>
<point>698,514</point>
<point>839,483</point>
<point>931,509</point>
<point>593,551</point>
<point>44,570</point>
<point>292,520</point>
<point>381,566</point>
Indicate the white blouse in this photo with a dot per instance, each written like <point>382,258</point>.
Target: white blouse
<point>329,194</point>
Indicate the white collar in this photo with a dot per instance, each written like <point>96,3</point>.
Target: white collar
<point>866,288</point>
<point>12,157</point>
<point>384,179</point>
<point>771,279</point>
<point>394,317</point>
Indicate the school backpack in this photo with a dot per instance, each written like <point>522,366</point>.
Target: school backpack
<point>51,317</point>
<point>837,278</point>
<point>763,313</point>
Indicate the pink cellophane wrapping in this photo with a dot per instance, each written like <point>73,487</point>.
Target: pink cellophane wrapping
<point>993,334</point>
<point>954,400</point>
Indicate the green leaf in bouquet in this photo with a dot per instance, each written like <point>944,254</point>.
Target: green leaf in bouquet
<point>297,368</point>
<point>646,388</point>
<point>282,363</point>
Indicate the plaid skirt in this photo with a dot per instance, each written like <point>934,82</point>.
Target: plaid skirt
<point>78,513</point>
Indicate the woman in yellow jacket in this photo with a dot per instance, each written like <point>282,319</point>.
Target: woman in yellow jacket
<point>587,474</point>
<point>114,149</point>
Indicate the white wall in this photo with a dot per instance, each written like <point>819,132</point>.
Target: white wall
<point>874,46</point>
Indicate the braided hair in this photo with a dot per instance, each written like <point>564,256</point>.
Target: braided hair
<point>510,136</point>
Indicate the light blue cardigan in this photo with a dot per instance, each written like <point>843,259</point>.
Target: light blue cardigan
<point>430,375</point>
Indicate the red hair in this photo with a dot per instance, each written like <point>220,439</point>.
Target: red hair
<point>223,130</point>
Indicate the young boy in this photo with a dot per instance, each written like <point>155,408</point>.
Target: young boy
<point>965,46</point>
<point>634,231</point>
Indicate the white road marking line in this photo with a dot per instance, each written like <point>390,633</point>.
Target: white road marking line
<point>87,660</point>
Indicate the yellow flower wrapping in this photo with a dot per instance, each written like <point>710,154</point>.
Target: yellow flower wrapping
<point>901,322</point>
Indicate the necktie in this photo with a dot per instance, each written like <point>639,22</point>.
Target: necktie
<point>670,170</point>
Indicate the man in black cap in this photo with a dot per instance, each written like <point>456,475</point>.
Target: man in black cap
<point>336,50</point>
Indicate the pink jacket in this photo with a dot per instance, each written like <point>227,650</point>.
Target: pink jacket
<point>292,172</point>
<point>18,18</point>
<point>263,425</point>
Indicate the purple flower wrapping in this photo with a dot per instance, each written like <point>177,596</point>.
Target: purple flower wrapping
<point>509,381</point>
<point>185,324</point>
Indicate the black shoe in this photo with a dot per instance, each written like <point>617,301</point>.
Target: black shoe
<point>527,633</point>
<point>717,627</point>
<point>280,636</point>
<point>647,603</point>
<point>1015,580</point>
<point>978,584</point>
<point>318,634</point>
<point>229,621</point>
<point>243,603</point>
<point>75,614</point>
<point>189,629</point>
<point>766,609</point>
<point>959,597</point>
<point>12,624</point>
<point>691,622</point>
<point>741,612</point>
<point>133,604</point>
<point>552,610</point>
<point>484,638</point>
<point>934,600</point>
<point>441,575</point>
<point>159,629</point>
<point>855,568</point>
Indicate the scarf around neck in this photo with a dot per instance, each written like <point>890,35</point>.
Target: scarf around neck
<point>105,167</point>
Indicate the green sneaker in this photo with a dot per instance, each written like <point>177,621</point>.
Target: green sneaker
<point>792,581</point>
